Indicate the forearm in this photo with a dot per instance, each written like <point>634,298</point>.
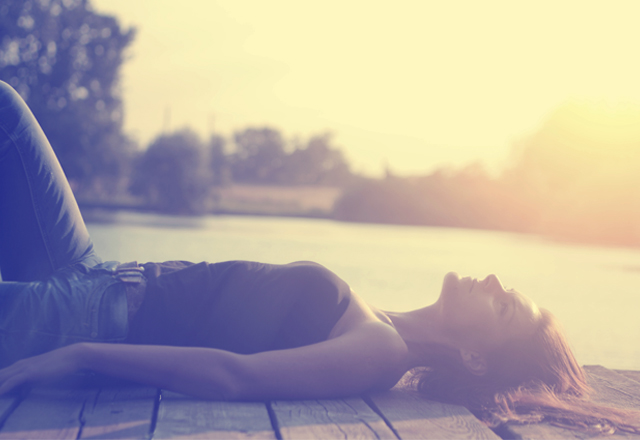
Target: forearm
<point>201,372</point>
<point>372,355</point>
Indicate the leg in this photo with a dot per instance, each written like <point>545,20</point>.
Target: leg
<point>41,229</point>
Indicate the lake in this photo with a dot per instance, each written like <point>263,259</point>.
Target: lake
<point>594,291</point>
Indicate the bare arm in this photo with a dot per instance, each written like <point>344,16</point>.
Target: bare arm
<point>368,356</point>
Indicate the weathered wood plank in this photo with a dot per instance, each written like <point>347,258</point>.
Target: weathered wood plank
<point>545,431</point>
<point>609,388</point>
<point>120,413</point>
<point>613,388</point>
<point>186,417</point>
<point>633,375</point>
<point>414,417</point>
<point>48,413</point>
<point>326,419</point>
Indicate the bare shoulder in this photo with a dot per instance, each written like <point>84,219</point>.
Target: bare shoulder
<point>365,328</point>
<point>361,353</point>
<point>360,315</point>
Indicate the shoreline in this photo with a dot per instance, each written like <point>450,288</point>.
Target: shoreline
<point>105,213</point>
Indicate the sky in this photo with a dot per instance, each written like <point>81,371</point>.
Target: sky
<point>405,85</point>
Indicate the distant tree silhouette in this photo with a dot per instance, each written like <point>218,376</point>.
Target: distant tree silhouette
<point>316,163</point>
<point>262,157</point>
<point>579,173</point>
<point>466,198</point>
<point>64,59</point>
<point>219,161</point>
<point>173,175</point>
<point>575,178</point>
<point>259,155</point>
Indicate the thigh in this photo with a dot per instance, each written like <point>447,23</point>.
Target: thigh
<point>41,229</point>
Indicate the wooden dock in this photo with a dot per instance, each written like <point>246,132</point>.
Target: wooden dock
<point>117,412</point>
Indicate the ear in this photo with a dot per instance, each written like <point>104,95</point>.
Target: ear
<point>474,361</point>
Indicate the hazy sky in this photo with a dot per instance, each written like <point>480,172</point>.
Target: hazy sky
<point>414,84</point>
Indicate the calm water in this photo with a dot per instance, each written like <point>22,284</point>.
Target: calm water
<point>594,291</point>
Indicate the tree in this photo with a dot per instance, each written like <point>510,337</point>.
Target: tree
<point>64,59</point>
<point>173,175</point>
<point>219,161</point>
<point>317,163</point>
<point>579,173</point>
<point>259,155</point>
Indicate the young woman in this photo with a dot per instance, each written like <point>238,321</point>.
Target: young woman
<point>242,330</point>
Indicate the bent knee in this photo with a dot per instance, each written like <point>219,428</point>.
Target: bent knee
<point>12,108</point>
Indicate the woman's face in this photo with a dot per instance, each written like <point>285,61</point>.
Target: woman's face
<point>482,315</point>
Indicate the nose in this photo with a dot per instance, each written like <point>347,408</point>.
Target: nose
<point>492,282</point>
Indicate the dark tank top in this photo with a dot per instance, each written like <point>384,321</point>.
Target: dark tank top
<point>239,306</point>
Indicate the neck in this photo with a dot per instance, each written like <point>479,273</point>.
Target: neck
<point>421,330</point>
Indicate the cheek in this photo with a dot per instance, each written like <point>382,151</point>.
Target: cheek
<point>470,325</point>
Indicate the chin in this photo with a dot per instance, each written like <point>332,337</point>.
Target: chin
<point>450,284</point>
<point>449,297</point>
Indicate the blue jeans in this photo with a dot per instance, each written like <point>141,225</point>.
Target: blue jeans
<point>54,290</point>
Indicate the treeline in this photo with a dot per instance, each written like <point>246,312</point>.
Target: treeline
<point>64,59</point>
<point>466,198</point>
<point>576,178</point>
<point>179,173</point>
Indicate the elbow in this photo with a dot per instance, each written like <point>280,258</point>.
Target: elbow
<point>221,390</point>
<point>218,378</point>
<point>232,389</point>
<point>228,381</point>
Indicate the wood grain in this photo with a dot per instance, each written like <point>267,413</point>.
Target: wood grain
<point>633,375</point>
<point>414,417</point>
<point>120,413</point>
<point>186,417</point>
<point>128,412</point>
<point>610,388</point>
<point>613,388</point>
<point>48,414</point>
<point>327,419</point>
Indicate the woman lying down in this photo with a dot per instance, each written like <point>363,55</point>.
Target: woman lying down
<point>240,330</point>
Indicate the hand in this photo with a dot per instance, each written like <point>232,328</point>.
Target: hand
<point>47,366</point>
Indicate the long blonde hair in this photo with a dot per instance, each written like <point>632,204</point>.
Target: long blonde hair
<point>531,380</point>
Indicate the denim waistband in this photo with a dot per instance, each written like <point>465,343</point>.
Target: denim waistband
<point>132,275</point>
<point>76,304</point>
<point>130,272</point>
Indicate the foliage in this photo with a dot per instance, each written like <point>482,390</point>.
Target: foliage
<point>261,157</point>
<point>219,162</point>
<point>64,59</point>
<point>316,163</point>
<point>173,175</point>
<point>467,198</point>
<point>575,178</point>
<point>579,173</point>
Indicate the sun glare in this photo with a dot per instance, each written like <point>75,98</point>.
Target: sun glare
<point>603,133</point>
<point>416,85</point>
